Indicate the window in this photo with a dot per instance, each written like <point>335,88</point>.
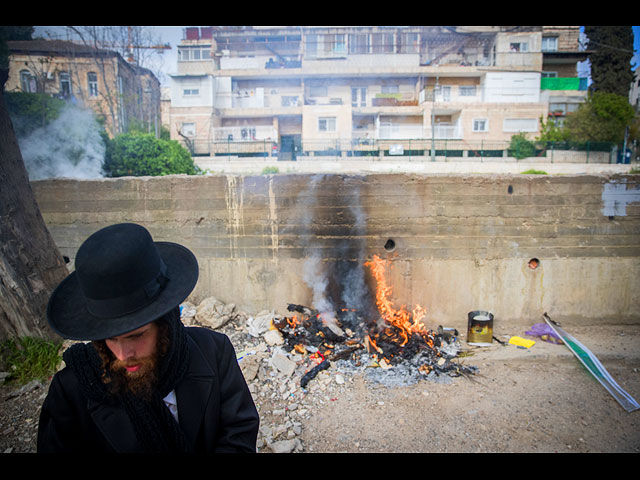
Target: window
<point>92,84</point>
<point>191,91</point>
<point>334,44</point>
<point>318,91</point>
<point>65,84</point>
<point>549,44</point>
<point>480,125</point>
<point>27,81</point>
<point>358,96</point>
<point>289,101</point>
<point>390,89</point>
<point>563,108</point>
<point>409,43</point>
<point>520,125</point>
<point>311,45</point>
<point>327,124</point>
<point>467,90</point>
<point>519,46</point>
<point>194,54</point>
<point>446,93</point>
<point>358,43</point>
<point>382,42</point>
<point>188,129</point>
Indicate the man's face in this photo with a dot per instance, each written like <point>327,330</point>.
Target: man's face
<point>135,354</point>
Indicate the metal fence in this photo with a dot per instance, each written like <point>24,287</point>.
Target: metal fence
<point>419,149</point>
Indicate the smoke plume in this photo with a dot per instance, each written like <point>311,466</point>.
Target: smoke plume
<point>337,282</point>
<point>68,147</point>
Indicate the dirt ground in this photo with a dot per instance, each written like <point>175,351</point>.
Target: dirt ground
<point>540,400</point>
<point>537,400</point>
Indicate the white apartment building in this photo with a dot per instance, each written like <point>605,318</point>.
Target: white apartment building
<point>429,91</point>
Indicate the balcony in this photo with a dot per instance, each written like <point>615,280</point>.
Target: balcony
<point>447,132</point>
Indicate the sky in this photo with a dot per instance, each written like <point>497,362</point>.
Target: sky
<point>636,47</point>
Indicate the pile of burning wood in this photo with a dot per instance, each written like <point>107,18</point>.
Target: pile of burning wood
<point>396,337</point>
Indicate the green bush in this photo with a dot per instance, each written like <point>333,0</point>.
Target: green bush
<point>29,111</point>
<point>520,147</point>
<point>145,155</point>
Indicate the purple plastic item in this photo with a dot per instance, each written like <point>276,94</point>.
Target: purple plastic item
<point>545,332</point>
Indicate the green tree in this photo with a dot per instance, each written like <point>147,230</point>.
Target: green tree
<point>144,154</point>
<point>612,48</point>
<point>602,118</point>
<point>552,132</point>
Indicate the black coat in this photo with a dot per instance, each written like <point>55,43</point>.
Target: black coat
<point>215,407</point>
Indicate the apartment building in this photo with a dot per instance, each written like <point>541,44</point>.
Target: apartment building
<point>295,92</point>
<point>118,91</point>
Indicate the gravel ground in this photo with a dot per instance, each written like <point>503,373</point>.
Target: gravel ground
<point>535,400</point>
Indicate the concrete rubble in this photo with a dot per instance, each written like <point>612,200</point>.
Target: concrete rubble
<point>272,374</point>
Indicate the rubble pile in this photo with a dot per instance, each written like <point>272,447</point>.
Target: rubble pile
<point>294,363</point>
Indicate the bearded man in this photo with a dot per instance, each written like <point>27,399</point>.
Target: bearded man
<point>143,382</point>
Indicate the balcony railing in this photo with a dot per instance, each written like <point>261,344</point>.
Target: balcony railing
<point>245,134</point>
<point>447,132</point>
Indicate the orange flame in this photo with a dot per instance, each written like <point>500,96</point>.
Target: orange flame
<point>407,323</point>
<point>292,321</point>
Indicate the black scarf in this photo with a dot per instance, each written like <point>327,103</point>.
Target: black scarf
<point>156,428</point>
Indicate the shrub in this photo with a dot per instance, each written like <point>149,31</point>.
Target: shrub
<point>144,154</point>
<point>520,147</point>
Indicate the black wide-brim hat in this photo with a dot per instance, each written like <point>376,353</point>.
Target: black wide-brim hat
<point>122,281</point>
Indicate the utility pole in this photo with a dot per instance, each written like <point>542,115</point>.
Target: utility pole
<point>433,119</point>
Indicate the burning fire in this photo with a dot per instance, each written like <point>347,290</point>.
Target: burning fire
<point>402,324</point>
<point>397,335</point>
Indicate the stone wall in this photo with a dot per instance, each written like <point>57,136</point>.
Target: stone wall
<point>455,243</point>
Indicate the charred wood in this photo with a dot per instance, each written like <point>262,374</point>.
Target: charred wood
<point>311,374</point>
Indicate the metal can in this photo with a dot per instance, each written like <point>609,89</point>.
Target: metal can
<point>480,328</point>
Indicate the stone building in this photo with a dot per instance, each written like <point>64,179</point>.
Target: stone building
<point>119,92</point>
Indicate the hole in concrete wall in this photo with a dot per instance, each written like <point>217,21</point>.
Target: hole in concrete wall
<point>390,246</point>
<point>510,189</point>
<point>534,263</point>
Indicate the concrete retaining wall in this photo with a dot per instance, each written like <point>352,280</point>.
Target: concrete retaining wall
<point>456,242</point>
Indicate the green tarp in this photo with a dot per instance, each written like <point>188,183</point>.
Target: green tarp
<point>557,83</point>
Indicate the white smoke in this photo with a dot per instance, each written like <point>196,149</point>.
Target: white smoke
<point>68,147</point>
<point>314,274</point>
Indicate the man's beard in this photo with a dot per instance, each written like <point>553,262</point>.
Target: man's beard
<point>140,383</point>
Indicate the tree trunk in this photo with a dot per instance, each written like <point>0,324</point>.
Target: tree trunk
<point>31,265</point>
